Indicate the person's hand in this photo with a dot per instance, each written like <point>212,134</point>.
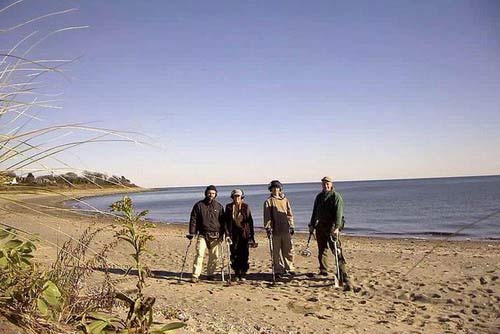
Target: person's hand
<point>292,231</point>
<point>190,236</point>
<point>269,232</point>
<point>229,241</point>
<point>311,229</point>
<point>335,233</point>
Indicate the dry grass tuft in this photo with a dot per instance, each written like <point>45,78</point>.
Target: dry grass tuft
<point>26,147</point>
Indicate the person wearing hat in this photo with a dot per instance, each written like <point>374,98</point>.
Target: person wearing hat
<point>208,223</point>
<point>328,220</point>
<point>278,222</point>
<point>240,226</point>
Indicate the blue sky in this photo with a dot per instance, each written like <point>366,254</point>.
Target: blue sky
<point>240,92</point>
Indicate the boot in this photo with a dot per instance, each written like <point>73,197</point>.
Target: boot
<point>347,286</point>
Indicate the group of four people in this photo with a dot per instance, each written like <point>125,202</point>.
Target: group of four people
<point>212,224</point>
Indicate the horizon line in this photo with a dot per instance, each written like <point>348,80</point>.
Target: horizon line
<point>303,182</point>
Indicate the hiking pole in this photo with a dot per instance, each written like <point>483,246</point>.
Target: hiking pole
<point>337,271</point>
<point>185,258</point>
<point>269,238</point>
<point>307,252</point>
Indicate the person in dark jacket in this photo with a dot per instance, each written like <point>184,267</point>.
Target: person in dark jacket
<point>240,227</point>
<point>328,220</point>
<point>207,221</point>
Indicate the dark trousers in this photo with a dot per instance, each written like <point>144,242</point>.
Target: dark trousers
<point>239,256</point>
<point>326,253</point>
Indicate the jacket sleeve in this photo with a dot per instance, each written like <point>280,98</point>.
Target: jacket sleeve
<point>193,220</point>
<point>314,213</point>
<point>339,204</point>
<point>267,215</point>
<point>223,221</point>
<point>250,223</point>
<point>228,222</point>
<point>289,214</point>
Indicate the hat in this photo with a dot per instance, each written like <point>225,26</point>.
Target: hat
<point>275,184</point>
<point>237,192</point>
<point>210,187</point>
<point>327,179</point>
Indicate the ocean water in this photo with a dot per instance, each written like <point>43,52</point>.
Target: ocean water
<point>420,208</point>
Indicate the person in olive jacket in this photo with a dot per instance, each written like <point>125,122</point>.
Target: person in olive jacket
<point>240,227</point>
<point>207,221</point>
<point>328,220</point>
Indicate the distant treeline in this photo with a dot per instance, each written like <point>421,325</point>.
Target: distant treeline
<point>67,179</point>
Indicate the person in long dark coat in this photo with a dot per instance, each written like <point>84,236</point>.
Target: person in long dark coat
<point>240,227</point>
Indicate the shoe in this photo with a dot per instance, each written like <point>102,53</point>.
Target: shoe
<point>292,273</point>
<point>323,273</point>
<point>195,279</point>
<point>211,278</point>
<point>347,286</point>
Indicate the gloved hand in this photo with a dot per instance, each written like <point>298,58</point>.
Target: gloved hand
<point>311,229</point>
<point>190,236</point>
<point>292,231</point>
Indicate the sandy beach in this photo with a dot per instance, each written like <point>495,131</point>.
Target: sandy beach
<point>455,289</point>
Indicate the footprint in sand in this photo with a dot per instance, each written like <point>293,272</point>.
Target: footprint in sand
<point>303,307</point>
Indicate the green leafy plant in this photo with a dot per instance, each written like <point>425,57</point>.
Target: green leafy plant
<point>15,255</point>
<point>50,301</point>
<point>135,232</point>
<point>47,299</point>
<point>140,308</point>
<point>99,323</point>
<point>25,290</point>
<point>15,264</point>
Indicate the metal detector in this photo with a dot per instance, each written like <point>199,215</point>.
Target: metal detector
<point>185,258</point>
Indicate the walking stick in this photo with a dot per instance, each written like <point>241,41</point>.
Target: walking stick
<point>185,258</point>
<point>337,271</point>
<point>269,238</point>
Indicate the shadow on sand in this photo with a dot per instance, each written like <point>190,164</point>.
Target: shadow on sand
<point>299,280</point>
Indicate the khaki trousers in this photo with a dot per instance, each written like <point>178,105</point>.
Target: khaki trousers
<point>282,253</point>
<point>213,247</point>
